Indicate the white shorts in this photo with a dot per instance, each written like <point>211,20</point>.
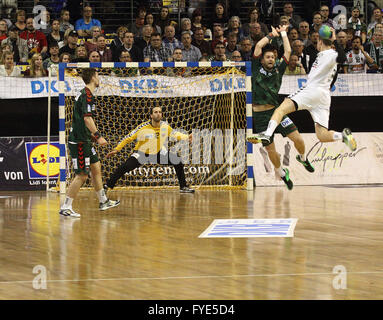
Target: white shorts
<point>317,101</point>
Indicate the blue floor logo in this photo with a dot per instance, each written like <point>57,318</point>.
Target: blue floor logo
<point>250,228</point>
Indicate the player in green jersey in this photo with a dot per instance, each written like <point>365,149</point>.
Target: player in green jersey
<point>84,156</point>
<point>266,82</point>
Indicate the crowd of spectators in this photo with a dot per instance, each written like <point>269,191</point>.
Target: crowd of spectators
<point>156,36</point>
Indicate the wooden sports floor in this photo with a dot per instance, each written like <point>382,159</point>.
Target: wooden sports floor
<point>148,247</point>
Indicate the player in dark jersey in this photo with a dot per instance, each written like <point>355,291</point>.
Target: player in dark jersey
<point>266,82</point>
<point>84,156</point>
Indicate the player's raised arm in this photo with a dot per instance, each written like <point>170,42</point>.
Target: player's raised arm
<point>264,41</point>
<point>286,43</point>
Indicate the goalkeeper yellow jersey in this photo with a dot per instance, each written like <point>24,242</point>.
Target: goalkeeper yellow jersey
<point>150,140</point>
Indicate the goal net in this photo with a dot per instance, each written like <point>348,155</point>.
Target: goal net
<point>208,99</point>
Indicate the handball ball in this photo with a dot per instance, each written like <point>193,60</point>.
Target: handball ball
<point>325,32</point>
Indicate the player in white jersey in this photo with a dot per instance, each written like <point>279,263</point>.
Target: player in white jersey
<point>314,97</point>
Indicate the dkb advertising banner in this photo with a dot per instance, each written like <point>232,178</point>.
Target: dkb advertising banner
<point>24,163</point>
<point>334,162</point>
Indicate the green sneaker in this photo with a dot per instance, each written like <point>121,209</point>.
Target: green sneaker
<point>286,179</point>
<point>348,139</point>
<point>308,166</point>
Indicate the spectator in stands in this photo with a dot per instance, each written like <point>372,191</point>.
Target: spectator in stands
<point>236,56</point>
<point>325,12</point>
<point>3,30</point>
<point>219,53</point>
<point>139,22</point>
<point>185,26</point>
<point>91,44</point>
<point>285,21</point>
<point>196,21</point>
<point>355,23</point>
<point>177,55</point>
<point>377,18</point>
<point>54,58</point>
<point>144,41</point>
<point>125,56</point>
<point>55,34</point>
<point>64,21</point>
<point>128,45</point>
<point>36,40</point>
<point>36,68</point>
<point>375,50</point>
<point>294,67</point>
<point>45,23</point>
<point>71,45</point>
<point>357,57</point>
<point>178,71</point>
<point>254,18</point>
<point>341,38</point>
<point>18,46</point>
<point>20,20</point>
<point>304,29</point>
<point>288,11</point>
<point>234,26</point>
<point>311,49</point>
<point>256,33</point>
<point>350,35</point>
<point>303,58</point>
<point>232,44</point>
<point>81,54</point>
<point>124,72</point>
<point>219,16</point>
<point>189,52</point>
<point>103,50</point>
<point>118,42</point>
<point>169,39</point>
<point>84,24</point>
<point>164,18</point>
<point>202,44</point>
<point>8,68</point>
<point>65,57</point>
<point>149,20</point>
<point>317,21</point>
<point>246,49</point>
<point>4,48</point>
<point>156,51</point>
<point>218,35</point>
<point>94,56</point>
<point>293,35</point>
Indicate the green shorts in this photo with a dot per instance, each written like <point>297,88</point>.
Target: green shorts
<point>261,121</point>
<point>83,155</point>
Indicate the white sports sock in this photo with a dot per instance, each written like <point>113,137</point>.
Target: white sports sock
<point>337,136</point>
<point>280,171</point>
<point>101,196</point>
<point>67,203</point>
<point>271,128</point>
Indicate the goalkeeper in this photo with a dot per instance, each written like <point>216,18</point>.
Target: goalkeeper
<point>151,137</point>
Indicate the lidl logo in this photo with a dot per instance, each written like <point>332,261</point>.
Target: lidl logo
<point>38,161</point>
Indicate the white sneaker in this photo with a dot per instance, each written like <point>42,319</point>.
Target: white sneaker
<point>109,204</point>
<point>69,213</point>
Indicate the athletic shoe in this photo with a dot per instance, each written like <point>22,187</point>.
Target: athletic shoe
<point>69,213</point>
<point>348,139</point>
<point>186,190</point>
<point>308,166</point>
<point>109,204</point>
<point>257,138</point>
<point>286,179</point>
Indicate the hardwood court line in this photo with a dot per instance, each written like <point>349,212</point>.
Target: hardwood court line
<point>198,277</point>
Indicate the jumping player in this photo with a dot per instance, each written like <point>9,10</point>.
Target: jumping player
<point>84,156</point>
<point>151,137</point>
<point>314,97</point>
<point>266,82</point>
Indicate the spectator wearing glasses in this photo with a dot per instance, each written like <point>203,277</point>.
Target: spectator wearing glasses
<point>219,53</point>
<point>325,12</point>
<point>156,50</point>
<point>84,24</point>
<point>236,56</point>
<point>254,18</point>
<point>18,46</point>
